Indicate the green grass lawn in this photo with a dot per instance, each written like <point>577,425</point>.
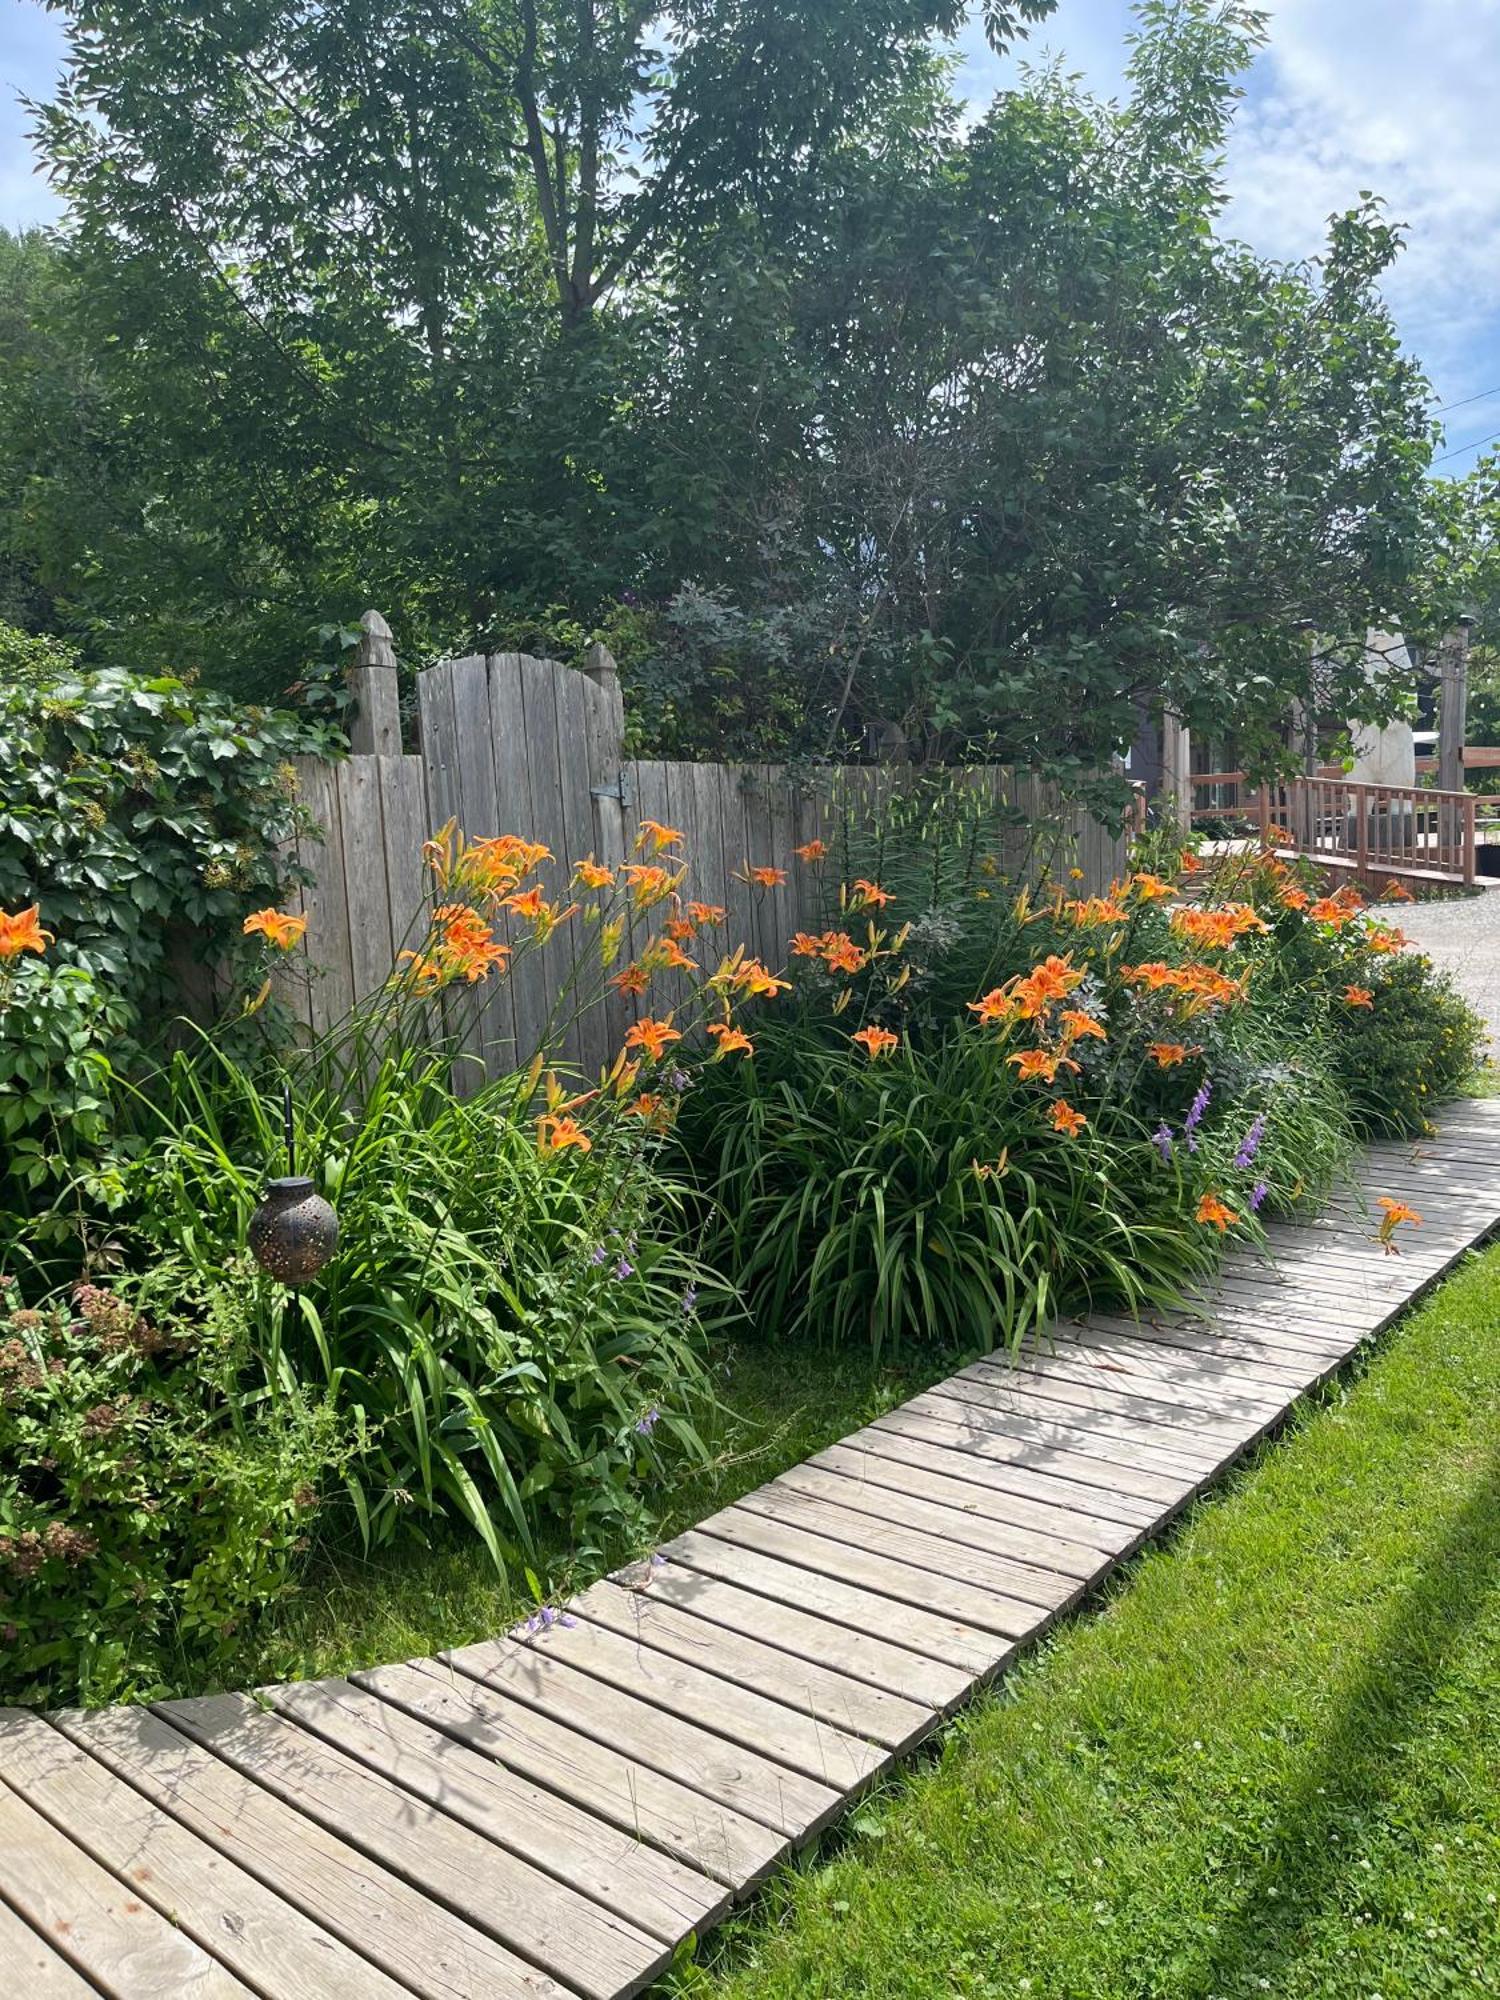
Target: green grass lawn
<point>1269,1761</point>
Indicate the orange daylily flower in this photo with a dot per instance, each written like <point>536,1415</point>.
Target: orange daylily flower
<point>1039,1063</point>
<point>1212,1210</point>
<point>680,929</point>
<point>465,946</point>
<point>842,954</point>
<point>1151,888</point>
<point>653,1109</point>
<point>812,850</point>
<point>747,975</point>
<point>1066,1120</point>
<point>593,874</point>
<point>1397,892</point>
<point>1081,1027</point>
<point>1216,930</point>
<point>23,931</point>
<point>707,913</point>
<point>1052,980</point>
<point>876,1042</point>
<point>731,1040</point>
<point>1188,862</point>
<point>805,945</point>
<point>1293,899</point>
<point>652,832</point>
<point>1381,938</point>
<point>1096,910</point>
<point>866,895</point>
<point>1167,1054</point>
<point>279,928</point>
<point>649,884</point>
<point>1358,996</point>
<point>635,979</point>
<point>556,1134</point>
<point>764,876</point>
<point>994,1008</point>
<point>486,869</point>
<point>1393,1214</point>
<point>652,1036</point>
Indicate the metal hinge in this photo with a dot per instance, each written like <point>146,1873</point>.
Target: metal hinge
<point>619,791</point>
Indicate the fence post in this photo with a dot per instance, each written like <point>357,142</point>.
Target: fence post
<point>1177,769</point>
<point>375,725</point>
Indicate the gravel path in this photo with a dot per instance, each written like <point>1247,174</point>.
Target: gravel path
<point>1463,936</point>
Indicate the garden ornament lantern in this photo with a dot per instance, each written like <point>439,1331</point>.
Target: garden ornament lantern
<point>295,1231</point>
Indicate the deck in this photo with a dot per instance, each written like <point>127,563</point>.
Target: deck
<point>554,1814</point>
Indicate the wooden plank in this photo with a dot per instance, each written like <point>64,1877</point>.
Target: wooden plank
<point>1023,1475</point>
<point>261,1938</point>
<point>1184,1416</point>
<point>608,1782</point>
<point>530,999</point>
<point>783,898</point>
<point>796,1738</point>
<point>589,1041</point>
<point>1219,1395</point>
<point>366,891</point>
<point>738,897</point>
<point>934,1545</point>
<point>34,1967</point>
<point>374,1911</point>
<point>742,1558</point>
<point>708,874</point>
<point>927,1472</point>
<point>403,816</point>
<point>1156,1363</point>
<point>857,1654</point>
<point>747,1783</point>
<point>794,1536</point>
<point>604,728</point>
<point>961,1518</point>
<point>105,1929</point>
<point>1103,1412</point>
<point>1051,1425</point>
<point>611,1868</point>
<point>1267,1355</point>
<point>824,1693</point>
<point>556,960</point>
<point>489,1014</point>
<point>332,989</point>
<point>539,1921</point>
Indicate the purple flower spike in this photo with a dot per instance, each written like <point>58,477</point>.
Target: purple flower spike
<point>600,1255</point>
<point>1258,1194</point>
<point>624,1269</point>
<point>1250,1144</point>
<point>1161,1139</point>
<point>647,1424</point>
<point>567,1621</point>
<point>690,1299</point>
<point>1198,1106</point>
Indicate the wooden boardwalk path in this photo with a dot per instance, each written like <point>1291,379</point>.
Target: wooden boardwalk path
<point>553,1814</point>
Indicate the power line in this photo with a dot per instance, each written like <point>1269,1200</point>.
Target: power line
<point>1474,444</point>
<point>1464,404</point>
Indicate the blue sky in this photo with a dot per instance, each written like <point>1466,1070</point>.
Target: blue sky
<point>1398,96</point>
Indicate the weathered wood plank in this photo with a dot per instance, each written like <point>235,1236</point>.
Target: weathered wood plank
<point>753,1557</point>
<point>531,998</point>
<point>540,1921</point>
<point>34,1966</point>
<point>110,1934</point>
<point>645,1619</point>
<point>650,1889</point>
<point>403,818</point>
<point>366,890</point>
<point>260,1937</point>
<point>995,1457</point>
<point>323,901</point>
<point>741,1779</point>
<point>616,1786</point>
<point>373,1910</point>
<point>919,1682</point>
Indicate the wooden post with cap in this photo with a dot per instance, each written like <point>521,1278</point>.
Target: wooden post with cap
<point>375,724</point>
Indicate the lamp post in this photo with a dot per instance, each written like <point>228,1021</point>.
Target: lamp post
<point>294,1231</point>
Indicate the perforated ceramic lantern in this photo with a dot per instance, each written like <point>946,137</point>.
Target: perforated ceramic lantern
<point>294,1232</point>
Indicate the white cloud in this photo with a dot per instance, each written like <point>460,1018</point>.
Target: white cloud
<point>1397,96</point>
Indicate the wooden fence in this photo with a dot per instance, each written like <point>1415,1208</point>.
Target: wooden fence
<point>511,744</point>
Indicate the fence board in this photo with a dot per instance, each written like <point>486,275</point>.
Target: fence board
<point>520,745</point>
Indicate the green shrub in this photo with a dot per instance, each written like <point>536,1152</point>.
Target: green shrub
<point>1418,1043</point>
<point>516,1328</point>
<point>151,1498</point>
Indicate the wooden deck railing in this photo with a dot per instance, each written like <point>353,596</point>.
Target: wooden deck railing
<point>1400,830</point>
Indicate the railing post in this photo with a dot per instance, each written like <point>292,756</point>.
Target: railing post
<point>1471,857</point>
<point>375,724</point>
<point>1361,831</point>
<point>1263,813</point>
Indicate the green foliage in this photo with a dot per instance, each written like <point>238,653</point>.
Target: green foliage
<point>150,1501</point>
<point>1416,1046</point>
<point>902,428</point>
<point>58,1026</point>
<point>130,806</point>
<point>516,1329</point>
<point>925,1200</point>
<point>33,659</point>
